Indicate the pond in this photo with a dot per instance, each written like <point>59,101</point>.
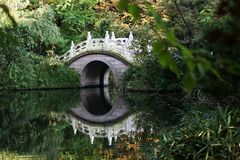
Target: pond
<point>96,123</point>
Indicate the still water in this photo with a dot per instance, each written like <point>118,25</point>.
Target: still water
<point>95,123</point>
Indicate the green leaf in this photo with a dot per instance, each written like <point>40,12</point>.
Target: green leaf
<point>201,70</point>
<point>185,51</point>
<point>229,120</point>
<point>123,4</point>
<point>172,38</point>
<point>159,50</point>
<point>189,81</point>
<point>191,66</point>
<point>173,67</point>
<point>164,138</point>
<point>164,59</point>
<point>134,10</point>
<point>158,46</point>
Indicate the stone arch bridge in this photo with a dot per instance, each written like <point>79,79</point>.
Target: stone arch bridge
<point>96,57</point>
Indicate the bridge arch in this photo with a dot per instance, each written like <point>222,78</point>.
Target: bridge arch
<point>96,57</point>
<point>94,68</point>
<point>95,73</point>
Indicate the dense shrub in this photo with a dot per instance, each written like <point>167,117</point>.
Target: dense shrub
<point>38,31</point>
<point>33,71</point>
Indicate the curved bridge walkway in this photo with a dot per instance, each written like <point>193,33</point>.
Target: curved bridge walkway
<point>96,57</point>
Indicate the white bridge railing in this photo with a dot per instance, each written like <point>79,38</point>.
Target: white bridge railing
<point>119,46</point>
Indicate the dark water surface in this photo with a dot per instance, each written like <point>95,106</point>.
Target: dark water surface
<point>80,124</point>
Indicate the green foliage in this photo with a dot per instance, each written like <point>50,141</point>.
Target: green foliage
<point>162,52</point>
<point>197,65</point>
<point>211,62</point>
<point>76,18</point>
<point>222,39</point>
<point>39,32</point>
<point>20,68</point>
<point>6,11</point>
<point>123,4</point>
<point>147,74</point>
<point>10,50</point>
<point>134,10</point>
<point>203,135</point>
<point>207,16</point>
<point>32,71</point>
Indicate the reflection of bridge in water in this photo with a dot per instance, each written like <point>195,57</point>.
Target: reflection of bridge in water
<point>96,117</point>
<point>109,131</point>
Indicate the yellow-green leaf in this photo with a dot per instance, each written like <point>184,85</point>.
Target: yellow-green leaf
<point>134,10</point>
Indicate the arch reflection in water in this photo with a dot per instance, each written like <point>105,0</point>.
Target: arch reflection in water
<point>97,116</point>
<point>96,101</point>
<point>96,107</point>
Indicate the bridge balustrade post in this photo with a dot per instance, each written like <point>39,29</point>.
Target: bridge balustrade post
<point>112,42</point>
<point>89,37</point>
<point>110,139</point>
<point>125,50</point>
<point>91,139</point>
<point>115,138</point>
<point>130,39</point>
<point>72,50</point>
<point>106,40</point>
<point>74,125</point>
<point>113,38</point>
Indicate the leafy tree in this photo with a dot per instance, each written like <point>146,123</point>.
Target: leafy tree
<point>39,32</point>
<point>21,66</point>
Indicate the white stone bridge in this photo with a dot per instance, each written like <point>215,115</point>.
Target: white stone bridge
<point>96,57</point>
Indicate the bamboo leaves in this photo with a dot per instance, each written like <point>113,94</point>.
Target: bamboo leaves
<point>215,137</point>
